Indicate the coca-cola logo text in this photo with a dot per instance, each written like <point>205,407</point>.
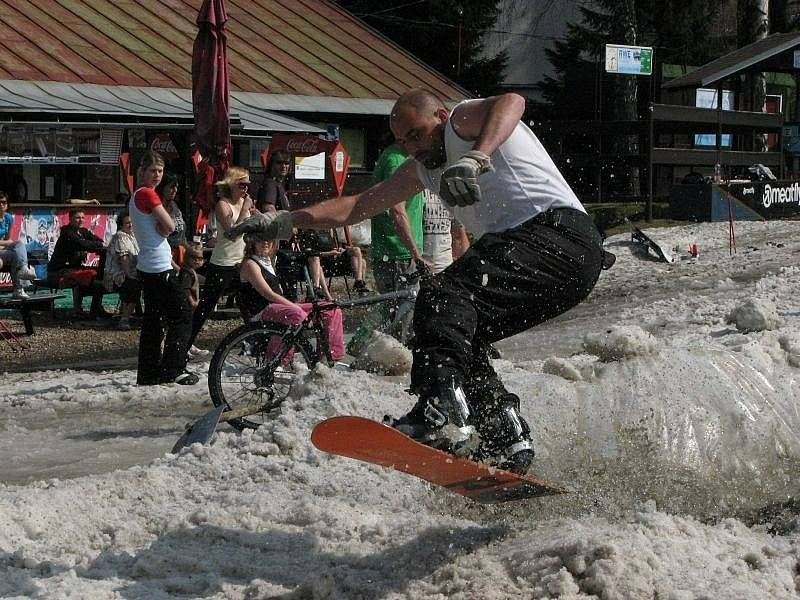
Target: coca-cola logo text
<point>163,145</point>
<point>307,145</point>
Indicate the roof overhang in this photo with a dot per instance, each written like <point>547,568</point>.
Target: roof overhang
<point>774,53</point>
<point>128,105</point>
<point>320,104</point>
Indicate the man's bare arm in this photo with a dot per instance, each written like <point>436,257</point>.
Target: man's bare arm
<point>402,226</point>
<point>489,121</point>
<point>348,210</point>
<point>460,240</point>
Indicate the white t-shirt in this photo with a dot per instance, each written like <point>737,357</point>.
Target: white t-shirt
<point>436,238</point>
<point>524,183</point>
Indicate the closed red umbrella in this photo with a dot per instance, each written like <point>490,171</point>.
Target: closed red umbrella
<point>211,98</point>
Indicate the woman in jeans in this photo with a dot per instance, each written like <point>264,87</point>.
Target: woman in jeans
<point>234,205</point>
<point>165,324</point>
<point>13,255</point>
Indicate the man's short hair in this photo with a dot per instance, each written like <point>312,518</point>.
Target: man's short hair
<point>75,211</point>
<point>421,100</point>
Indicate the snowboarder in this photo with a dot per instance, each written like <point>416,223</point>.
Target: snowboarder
<point>537,254</point>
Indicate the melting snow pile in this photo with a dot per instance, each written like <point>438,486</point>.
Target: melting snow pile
<point>676,431</point>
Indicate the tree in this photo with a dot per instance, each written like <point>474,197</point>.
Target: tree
<point>445,34</point>
<point>677,29</point>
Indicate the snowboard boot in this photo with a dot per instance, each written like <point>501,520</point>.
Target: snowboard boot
<point>440,419</point>
<point>505,435</point>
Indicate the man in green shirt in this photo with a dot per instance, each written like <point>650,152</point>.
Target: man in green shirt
<point>396,247</point>
<point>397,231</point>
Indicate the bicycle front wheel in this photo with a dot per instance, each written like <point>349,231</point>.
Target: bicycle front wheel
<point>254,368</point>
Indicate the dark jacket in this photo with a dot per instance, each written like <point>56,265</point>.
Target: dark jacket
<point>71,248</point>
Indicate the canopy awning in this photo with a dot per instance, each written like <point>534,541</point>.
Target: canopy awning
<point>134,105</point>
<point>772,54</point>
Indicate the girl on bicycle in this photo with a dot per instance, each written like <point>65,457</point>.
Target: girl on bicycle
<point>261,297</point>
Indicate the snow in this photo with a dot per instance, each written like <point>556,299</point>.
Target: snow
<point>667,403</point>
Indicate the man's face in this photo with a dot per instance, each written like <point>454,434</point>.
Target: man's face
<point>421,134</point>
<point>280,166</point>
<point>77,219</point>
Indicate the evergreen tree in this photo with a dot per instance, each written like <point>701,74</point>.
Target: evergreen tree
<point>445,34</point>
<point>678,29</point>
<point>679,32</point>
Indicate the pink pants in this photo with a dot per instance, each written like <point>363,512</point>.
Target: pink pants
<point>292,315</point>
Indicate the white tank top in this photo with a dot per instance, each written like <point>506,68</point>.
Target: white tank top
<point>155,255</point>
<point>228,253</point>
<point>524,183</point>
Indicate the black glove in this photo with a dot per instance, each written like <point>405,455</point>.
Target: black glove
<point>459,184</point>
<point>264,226</point>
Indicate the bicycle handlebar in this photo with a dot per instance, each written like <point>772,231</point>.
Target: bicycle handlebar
<point>366,300</point>
<point>407,293</point>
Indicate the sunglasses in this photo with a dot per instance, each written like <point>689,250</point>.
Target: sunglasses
<point>243,185</point>
<point>282,162</point>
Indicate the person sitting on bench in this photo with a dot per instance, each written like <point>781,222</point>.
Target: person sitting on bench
<point>66,268</point>
<point>13,254</point>
<point>120,274</point>
<point>326,255</point>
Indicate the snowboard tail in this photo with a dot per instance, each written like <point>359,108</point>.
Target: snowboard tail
<point>376,443</point>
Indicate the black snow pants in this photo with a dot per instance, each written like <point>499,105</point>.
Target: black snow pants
<point>505,283</point>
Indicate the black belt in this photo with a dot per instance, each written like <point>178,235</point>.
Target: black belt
<point>569,217</point>
<point>162,276</point>
<point>560,216</point>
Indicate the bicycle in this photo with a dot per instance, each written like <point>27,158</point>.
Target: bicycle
<point>255,367</point>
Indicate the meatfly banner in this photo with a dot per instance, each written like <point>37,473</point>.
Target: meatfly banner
<point>770,199</point>
<point>39,228</point>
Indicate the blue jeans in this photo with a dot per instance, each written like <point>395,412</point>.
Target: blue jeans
<point>14,257</point>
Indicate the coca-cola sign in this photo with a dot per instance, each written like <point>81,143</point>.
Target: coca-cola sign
<point>163,144</point>
<point>307,145</point>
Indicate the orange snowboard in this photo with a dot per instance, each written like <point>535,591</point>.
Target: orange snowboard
<point>370,441</point>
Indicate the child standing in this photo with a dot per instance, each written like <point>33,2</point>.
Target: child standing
<point>190,280</point>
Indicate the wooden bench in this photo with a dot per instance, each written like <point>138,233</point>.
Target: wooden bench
<point>26,305</point>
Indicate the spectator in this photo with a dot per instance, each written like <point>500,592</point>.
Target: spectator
<point>396,241</point>
<point>327,256</point>
<point>13,254</point>
<point>444,239</point>
<point>190,282</point>
<point>167,190</point>
<point>271,197</point>
<point>166,323</point>
<point>193,260</point>
<point>66,267</point>
<point>272,194</point>
<point>261,297</point>
<point>232,207</point>
<point>120,272</point>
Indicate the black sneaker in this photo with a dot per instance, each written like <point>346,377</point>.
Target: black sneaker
<point>186,378</point>
<point>440,421</point>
